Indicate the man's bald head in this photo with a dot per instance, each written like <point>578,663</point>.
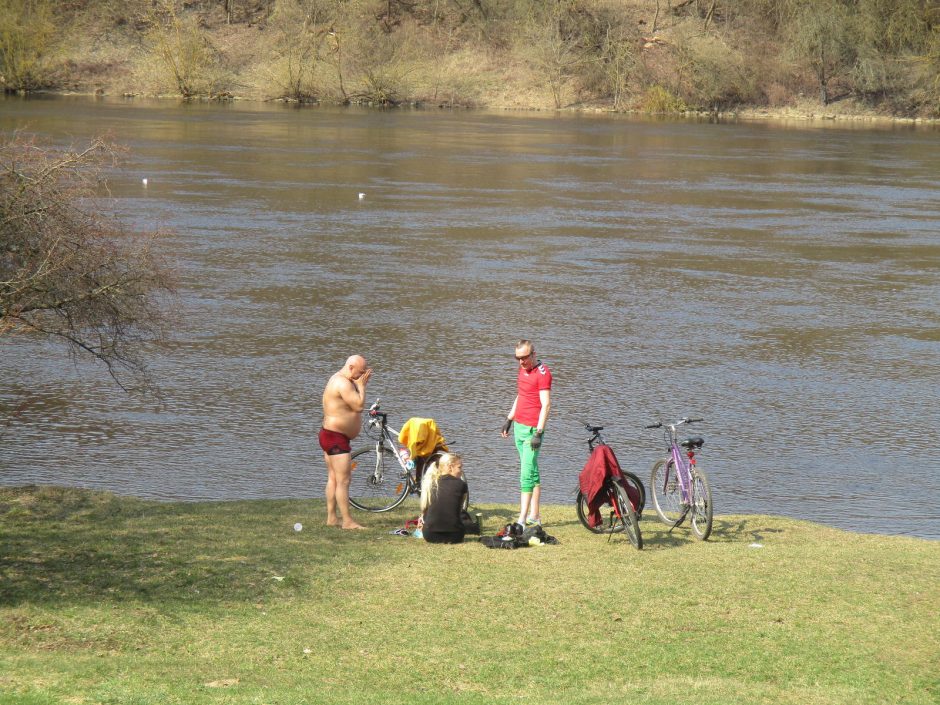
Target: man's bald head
<point>355,366</point>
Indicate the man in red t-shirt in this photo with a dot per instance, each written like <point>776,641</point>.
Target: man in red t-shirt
<point>529,412</point>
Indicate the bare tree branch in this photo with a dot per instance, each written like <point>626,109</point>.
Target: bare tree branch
<point>71,272</point>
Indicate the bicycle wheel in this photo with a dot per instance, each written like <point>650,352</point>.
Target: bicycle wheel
<point>627,516</point>
<point>667,494</point>
<point>377,481</point>
<point>638,484</point>
<point>608,523</point>
<point>701,510</point>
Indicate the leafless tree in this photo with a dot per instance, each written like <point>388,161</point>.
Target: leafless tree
<point>69,270</point>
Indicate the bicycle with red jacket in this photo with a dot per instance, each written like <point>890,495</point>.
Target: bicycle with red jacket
<point>610,500</point>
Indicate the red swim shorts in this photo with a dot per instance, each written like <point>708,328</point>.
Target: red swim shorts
<point>334,442</point>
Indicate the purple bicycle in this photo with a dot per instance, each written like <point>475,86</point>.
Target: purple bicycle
<point>680,487</point>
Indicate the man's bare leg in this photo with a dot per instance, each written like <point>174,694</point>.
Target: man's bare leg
<point>529,505</point>
<point>341,473</point>
<point>524,507</point>
<point>331,519</point>
<point>534,512</point>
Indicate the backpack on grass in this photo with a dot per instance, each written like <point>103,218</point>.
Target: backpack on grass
<point>516,536</point>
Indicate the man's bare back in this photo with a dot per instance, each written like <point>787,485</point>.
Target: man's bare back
<point>344,398</point>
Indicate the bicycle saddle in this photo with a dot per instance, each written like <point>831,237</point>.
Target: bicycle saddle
<point>695,442</point>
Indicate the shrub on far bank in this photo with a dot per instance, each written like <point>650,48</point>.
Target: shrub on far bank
<point>26,37</point>
<point>714,75</point>
<point>657,99</point>
<point>884,54</point>
<point>182,54</point>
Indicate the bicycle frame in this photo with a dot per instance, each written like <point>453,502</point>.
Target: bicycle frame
<point>387,439</point>
<point>624,511</point>
<point>683,461</point>
<point>377,486</point>
<point>683,458</point>
<point>411,469</point>
<point>680,488</point>
<point>596,439</point>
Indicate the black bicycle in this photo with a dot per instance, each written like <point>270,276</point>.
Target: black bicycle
<point>621,514</point>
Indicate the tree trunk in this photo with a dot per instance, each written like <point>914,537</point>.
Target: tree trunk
<point>708,17</point>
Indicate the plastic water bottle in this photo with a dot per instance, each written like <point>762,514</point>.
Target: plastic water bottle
<point>406,458</point>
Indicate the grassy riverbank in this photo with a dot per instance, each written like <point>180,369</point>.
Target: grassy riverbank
<point>117,600</point>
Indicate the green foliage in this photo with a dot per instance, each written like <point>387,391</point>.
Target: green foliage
<point>877,76</point>
<point>895,39</point>
<point>658,100</point>
<point>26,33</point>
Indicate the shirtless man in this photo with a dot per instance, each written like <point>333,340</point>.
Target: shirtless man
<point>343,401</point>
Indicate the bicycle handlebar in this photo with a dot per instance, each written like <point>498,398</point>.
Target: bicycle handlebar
<point>596,437</point>
<point>377,417</point>
<point>681,421</point>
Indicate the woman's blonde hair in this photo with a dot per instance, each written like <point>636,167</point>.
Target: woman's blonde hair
<point>448,464</point>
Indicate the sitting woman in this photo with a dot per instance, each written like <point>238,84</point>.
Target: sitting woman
<point>442,496</point>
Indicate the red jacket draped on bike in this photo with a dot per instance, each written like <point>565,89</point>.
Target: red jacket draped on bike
<point>601,465</point>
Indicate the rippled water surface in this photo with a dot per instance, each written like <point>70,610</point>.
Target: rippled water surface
<point>782,283</point>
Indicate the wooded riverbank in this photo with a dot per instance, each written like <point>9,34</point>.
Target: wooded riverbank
<point>836,59</point>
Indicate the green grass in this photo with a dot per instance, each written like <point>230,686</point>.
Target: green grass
<point>115,600</point>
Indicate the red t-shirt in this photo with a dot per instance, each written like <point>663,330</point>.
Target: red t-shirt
<point>528,385</point>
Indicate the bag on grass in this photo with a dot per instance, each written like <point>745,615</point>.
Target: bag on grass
<point>517,536</point>
<point>499,542</point>
<point>538,533</point>
<point>470,523</point>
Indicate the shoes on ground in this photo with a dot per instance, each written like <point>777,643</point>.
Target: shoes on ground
<point>533,521</point>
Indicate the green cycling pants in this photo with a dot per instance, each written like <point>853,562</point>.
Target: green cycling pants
<point>528,458</point>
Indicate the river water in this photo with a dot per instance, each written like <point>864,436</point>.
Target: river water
<point>782,282</point>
